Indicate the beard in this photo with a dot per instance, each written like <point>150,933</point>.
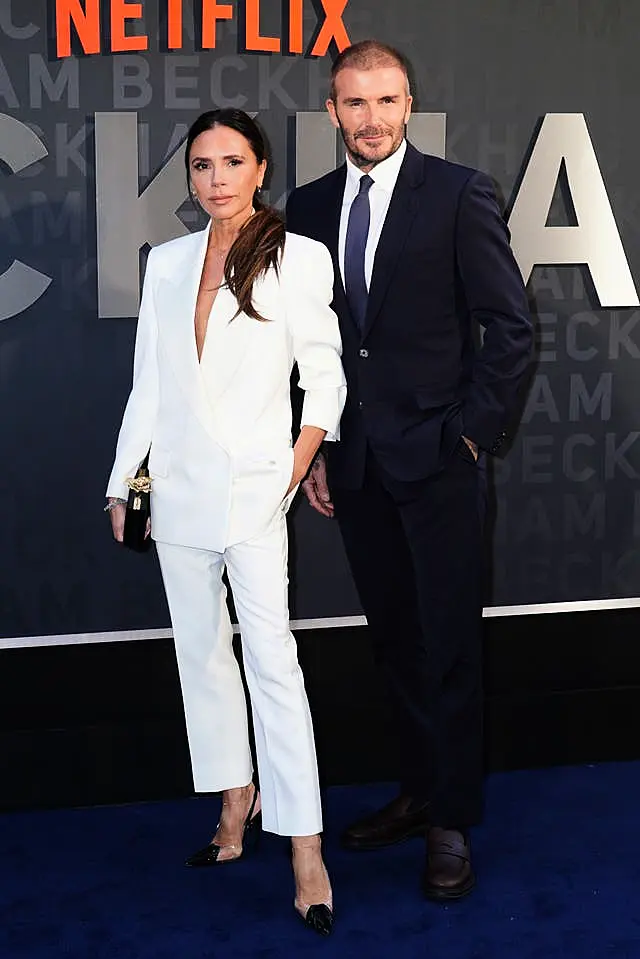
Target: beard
<point>371,157</point>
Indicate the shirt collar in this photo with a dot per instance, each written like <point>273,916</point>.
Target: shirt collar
<point>383,174</point>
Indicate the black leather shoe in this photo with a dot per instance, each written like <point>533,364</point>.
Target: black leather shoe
<point>398,820</point>
<point>448,875</point>
<point>208,855</point>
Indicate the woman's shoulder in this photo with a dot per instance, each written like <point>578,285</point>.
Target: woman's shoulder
<point>171,251</point>
<point>300,249</point>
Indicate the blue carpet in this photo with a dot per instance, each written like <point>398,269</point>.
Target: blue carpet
<point>557,861</point>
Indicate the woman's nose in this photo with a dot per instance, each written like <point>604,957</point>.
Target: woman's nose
<point>217,175</point>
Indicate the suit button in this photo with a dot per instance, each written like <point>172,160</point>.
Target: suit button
<point>364,354</point>
<point>360,405</point>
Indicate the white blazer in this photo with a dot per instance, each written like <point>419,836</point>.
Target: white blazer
<point>220,430</point>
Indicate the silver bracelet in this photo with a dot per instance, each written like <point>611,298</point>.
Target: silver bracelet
<point>114,502</point>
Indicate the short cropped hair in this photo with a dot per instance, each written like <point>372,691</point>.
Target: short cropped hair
<point>367,55</point>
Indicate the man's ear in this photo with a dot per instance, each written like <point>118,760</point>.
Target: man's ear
<point>408,110</point>
<point>331,110</point>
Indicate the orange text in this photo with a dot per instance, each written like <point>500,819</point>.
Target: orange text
<point>107,28</point>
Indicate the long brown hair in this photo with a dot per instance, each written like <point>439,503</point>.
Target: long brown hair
<point>260,242</point>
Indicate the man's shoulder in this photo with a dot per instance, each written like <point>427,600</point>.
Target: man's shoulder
<point>455,175</point>
<point>423,166</point>
<point>315,190</point>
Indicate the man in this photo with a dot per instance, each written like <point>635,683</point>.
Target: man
<point>422,261</point>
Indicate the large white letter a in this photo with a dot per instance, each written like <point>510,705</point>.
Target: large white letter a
<point>595,240</point>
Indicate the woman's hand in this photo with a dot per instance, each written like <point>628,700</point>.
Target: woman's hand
<point>116,515</point>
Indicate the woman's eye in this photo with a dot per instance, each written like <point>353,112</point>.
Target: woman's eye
<point>200,165</point>
<point>235,162</point>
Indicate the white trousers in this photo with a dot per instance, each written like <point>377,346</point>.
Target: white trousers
<point>212,690</point>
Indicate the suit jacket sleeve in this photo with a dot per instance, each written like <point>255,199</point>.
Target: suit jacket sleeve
<point>140,412</point>
<point>317,346</point>
<point>496,299</point>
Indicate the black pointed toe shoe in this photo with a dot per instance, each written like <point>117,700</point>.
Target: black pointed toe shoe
<point>318,917</point>
<point>209,855</point>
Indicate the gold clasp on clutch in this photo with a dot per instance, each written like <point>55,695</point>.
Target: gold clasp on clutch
<point>139,484</point>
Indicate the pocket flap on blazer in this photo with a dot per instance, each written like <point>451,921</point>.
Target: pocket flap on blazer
<point>159,461</point>
<point>433,397</point>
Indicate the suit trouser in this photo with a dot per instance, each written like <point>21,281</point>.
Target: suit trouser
<point>213,693</point>
<point>415,551</point>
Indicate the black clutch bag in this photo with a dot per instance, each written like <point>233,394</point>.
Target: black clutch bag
<point>138,509</point>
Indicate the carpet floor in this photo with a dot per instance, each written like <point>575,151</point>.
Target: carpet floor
<point>557,860</point>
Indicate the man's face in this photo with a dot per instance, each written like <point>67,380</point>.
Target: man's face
<point>371,110</point>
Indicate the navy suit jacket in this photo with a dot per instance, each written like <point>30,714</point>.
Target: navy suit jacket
<point>417,376</point>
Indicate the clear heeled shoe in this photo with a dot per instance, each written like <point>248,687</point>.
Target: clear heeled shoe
<point>317,916</point>
<point>209,855</point>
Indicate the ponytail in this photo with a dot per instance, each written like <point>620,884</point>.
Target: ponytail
<point>257,248</point>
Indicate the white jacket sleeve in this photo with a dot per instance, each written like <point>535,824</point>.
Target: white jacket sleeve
<point>314,329</point>
<point>139,418</point>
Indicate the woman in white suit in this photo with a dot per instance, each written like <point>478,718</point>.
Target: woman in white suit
<point>225,314</point>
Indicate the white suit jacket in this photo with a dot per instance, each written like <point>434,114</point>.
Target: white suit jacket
<point>220,430</point>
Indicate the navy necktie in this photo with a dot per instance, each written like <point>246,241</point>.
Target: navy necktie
<point>354,252</point>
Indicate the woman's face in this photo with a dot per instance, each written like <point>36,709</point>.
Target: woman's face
<point>224,173</point>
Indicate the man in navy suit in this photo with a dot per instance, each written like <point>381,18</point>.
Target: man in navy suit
<point>422,262</point>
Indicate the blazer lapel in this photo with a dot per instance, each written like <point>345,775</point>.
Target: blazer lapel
<point>178,293</point>
<point>397,225</point>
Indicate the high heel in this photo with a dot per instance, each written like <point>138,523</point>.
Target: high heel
<point>317,916</point>
<point>209,854</point>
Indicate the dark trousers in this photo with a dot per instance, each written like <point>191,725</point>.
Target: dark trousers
<point>415,552</point>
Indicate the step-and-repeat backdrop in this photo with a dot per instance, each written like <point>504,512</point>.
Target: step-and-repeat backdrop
<point>95,100</point>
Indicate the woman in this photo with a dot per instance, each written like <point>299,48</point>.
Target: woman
<point>224,315</point>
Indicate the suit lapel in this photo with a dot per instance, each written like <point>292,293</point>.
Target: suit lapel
<point>178,293</point>
<point>397,225</point>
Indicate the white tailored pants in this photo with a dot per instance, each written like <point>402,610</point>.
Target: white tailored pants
<point>212,690</point>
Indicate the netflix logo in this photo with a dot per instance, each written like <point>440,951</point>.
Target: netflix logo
<point>105,27</point>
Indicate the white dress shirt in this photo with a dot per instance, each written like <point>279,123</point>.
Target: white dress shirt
<point>384,176</point>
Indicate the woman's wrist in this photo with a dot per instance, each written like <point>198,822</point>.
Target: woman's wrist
<point>306,449</point>
<point>301,465</point>
<point>113,502</point>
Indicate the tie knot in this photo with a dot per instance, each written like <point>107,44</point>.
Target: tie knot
<point>366,183</point>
